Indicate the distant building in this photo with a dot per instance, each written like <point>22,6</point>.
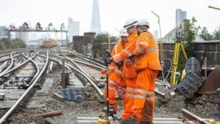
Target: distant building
<point>73,28</point>
<point>3,33</point>
<point>181,16</point>
<point>170,37</point>
<point>95,25</point>
<point>83,44</point>
<point>22,35</point>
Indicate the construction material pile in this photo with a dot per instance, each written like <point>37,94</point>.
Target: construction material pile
<point>189,85</point>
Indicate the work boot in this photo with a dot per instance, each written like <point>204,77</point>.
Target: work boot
<point>146,122</point>
<point>132,121</point>
<point>125,121</point>
<point>111,110</point>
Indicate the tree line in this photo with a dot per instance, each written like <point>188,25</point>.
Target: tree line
<point>5,44</point>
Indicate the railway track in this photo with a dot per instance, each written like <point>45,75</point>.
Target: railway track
<point>85,70</point>
<point>20,86</point>
<point>72,65</point>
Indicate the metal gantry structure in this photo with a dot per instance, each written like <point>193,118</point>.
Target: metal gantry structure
<point>25,28</point>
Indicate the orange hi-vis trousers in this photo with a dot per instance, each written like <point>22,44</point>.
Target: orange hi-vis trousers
<point>130,79</point>
<point>144,104</point>
<point>115,83</point>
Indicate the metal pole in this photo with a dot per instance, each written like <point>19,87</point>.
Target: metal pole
<point>161,43</point>
<point>214,7</point>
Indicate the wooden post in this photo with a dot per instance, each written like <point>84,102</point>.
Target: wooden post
<point>63,84</point>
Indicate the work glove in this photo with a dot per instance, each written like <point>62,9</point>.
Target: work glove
<point>119,64</point>
<point>131,58</point>
<point>117,60</point>
<point>108,58</point>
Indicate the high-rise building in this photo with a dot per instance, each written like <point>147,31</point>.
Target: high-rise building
<point>180,17</point>
<point>95,25</point>
<point>73,28</point>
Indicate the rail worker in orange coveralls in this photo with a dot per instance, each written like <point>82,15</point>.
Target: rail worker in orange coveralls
<point>116,82</point>
<point>129,73</point>
<point>147,66</point>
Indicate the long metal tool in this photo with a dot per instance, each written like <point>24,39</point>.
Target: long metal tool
<point>190,116</point>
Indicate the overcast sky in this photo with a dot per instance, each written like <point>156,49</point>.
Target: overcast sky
<point>113,13</point>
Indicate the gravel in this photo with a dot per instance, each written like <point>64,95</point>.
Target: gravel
<point>206,106</point>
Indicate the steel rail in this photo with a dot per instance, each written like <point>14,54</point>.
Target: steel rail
<point>89,64</point>
<point>74,63</point>
<point>37,68</point>
<point>11,63</point>
<point>98,63</point>
<point>18,66</point>
<point>94,65</point>
<point>88,77</point>
<point>91,81</point>
<point>17,54</point>
<point>3,66</point>
<point>98,90</point>
<point>12,109</point>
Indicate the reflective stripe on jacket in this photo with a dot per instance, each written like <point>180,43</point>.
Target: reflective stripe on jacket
<point>146,53</point>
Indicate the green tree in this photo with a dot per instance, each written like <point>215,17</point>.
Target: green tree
<point>205,34</point>
<point>101,38</point>
<point>189,33</point>
<point>217,34</point>
<point>13,44</point>
<point>17,43</point>
<point>4,43</point>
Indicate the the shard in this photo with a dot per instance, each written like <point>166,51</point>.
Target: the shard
<point>95,25</point>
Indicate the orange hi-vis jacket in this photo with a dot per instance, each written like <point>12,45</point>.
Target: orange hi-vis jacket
<point>130,76</point>
<point>129,72</point>
<point>115,79</point>
<point>147,64</point>
<point>117,48</point>
<point>128,51</point>
<point>146,53</point>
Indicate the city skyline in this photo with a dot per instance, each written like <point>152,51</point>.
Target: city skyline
<point>112,13</point>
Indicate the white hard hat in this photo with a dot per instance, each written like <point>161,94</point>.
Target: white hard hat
<point>142,22</point>
<point>123,32</point>
<point>129,23</point>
